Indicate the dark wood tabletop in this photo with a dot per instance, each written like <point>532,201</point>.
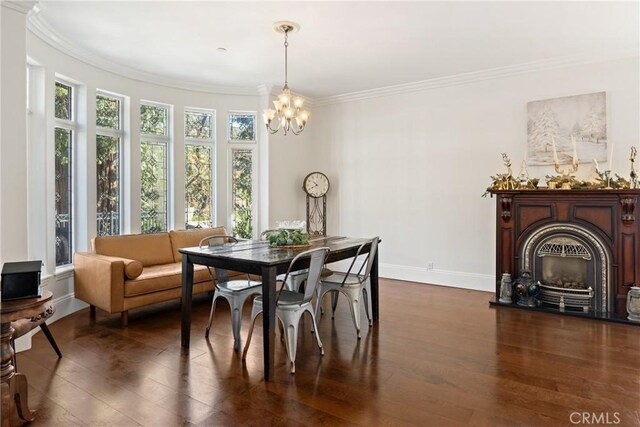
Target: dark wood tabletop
<point>257,257</point>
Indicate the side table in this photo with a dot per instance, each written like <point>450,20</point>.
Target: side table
<point>13,384</point>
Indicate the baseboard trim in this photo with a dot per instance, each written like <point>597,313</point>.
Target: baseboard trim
<point>454,279</point>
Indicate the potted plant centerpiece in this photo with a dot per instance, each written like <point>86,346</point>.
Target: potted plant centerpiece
<point>289,234</point>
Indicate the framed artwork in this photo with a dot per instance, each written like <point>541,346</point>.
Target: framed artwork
<point>567,127</point>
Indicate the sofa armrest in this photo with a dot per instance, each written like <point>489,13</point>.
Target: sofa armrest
<point>99,280</point>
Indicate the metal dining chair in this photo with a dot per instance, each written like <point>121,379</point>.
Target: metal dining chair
<point>296,279</point>
<point>354,286</point>
<point>235,292</point>
<point>291,306</point>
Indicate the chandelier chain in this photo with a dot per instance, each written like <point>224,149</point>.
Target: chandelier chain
<point>286,46</point>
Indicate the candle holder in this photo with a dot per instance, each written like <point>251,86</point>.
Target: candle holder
<point>607,178</point>
<point>634,182</point>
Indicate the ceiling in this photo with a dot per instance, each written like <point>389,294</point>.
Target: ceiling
<point>342,47</point>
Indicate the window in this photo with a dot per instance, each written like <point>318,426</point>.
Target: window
<point>242,127</point>
<point>109,136</point>
<point>64,136</point>
<point>199,172</point>
<point>242,192</point>
<point>154,145</point>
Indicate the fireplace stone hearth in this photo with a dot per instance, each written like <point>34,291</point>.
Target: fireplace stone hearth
<point>583,246</point>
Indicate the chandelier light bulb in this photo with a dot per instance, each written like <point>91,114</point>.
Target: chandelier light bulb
<point>298,102</point>
<point>284,98</point>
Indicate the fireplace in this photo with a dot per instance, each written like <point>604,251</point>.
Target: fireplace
<point>572,266</point>
<point>582,246</point>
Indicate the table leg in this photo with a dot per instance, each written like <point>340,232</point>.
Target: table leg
<point>269,319</point>
<point>374,289</point>
<point>14,386</point>
<point>18,388</point>
<point>6,405</point>
<point>187,294</point>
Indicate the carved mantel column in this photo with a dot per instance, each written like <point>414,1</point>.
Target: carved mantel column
<point>628,206</point>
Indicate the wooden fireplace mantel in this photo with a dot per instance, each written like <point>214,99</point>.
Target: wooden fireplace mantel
<point>612,215</point>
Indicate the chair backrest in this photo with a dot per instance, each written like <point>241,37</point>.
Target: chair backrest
<point>318,257</point>
<point>217,240</point>
<point>368,262</point>
<point>371,256</point>
<point>221,275</point>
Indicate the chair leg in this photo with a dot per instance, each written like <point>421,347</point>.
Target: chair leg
<point>334,303</point>
<point>254,316</point>
<point>124,318</point>
<point>354,305</point>
<point>47,333</point>
<point>367,304</point>
<point>236,318</point>
<point>291,340</point>
<point>315,328</point>
<point>213,309</point>
<point>92,311</point>
<point>319,311</point>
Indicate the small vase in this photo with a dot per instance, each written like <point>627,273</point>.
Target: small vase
<point>633,304</point>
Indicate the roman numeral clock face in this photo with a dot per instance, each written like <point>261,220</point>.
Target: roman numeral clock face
<point>316,184</point>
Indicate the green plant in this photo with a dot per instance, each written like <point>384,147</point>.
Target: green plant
<point>288,237</point>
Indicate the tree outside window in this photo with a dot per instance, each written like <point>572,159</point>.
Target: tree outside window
<point>199,146</point>
<point>154,126</point>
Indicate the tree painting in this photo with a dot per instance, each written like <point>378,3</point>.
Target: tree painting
<point>579,120</point>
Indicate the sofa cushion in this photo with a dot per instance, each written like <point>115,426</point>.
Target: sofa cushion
<point>132,268</point>
<point>190,238</point>
<point>149,249</point>
<point>157,278</point>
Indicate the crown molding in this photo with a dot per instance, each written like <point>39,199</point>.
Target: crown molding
<point>21,6</point>
<point>472,77</point>
<point>39,27</point>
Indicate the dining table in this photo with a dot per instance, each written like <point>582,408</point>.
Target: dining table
<point>260,259</point>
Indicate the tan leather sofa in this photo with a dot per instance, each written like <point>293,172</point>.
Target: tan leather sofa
<point>135,270</point>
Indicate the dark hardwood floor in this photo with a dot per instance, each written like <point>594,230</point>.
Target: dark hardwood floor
<point>438,357</point>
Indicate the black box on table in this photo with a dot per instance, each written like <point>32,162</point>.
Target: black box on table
<point>20,280</point>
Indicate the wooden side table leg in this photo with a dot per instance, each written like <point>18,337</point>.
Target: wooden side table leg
<point>19,393</point>
<point>6,405</point>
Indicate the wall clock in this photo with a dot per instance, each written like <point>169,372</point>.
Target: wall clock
<point>316,185</point>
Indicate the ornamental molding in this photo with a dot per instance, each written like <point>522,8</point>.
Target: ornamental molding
<point>477,76</point>
<point>39,28</point>
<point>19,6</point>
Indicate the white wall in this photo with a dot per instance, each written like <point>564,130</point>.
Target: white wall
<point>290,160</point>
<point>13,133</point>
<point>411,167</point>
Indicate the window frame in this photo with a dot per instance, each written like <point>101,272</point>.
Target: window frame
<point>255,126</point>
<point>166,140</point>
<point>254,186</point>
<point>204,142</point>
<point>120,135</point>
<point>72,126</point>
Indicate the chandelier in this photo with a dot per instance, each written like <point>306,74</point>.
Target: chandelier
<point>288,113</point>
